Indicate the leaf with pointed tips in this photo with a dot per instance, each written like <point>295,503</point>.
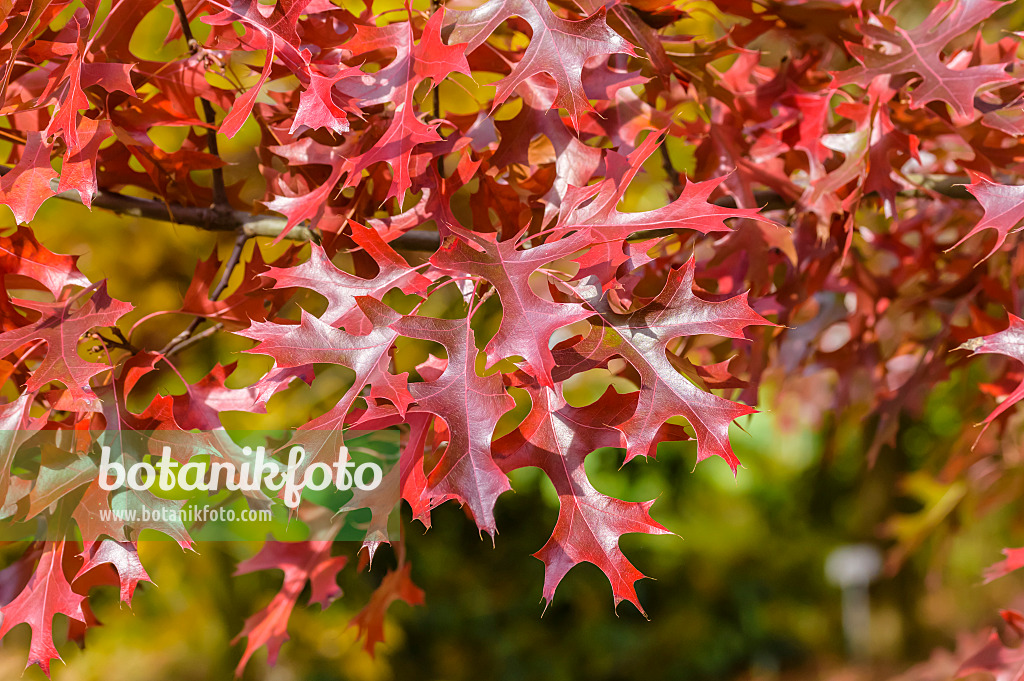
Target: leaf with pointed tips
<point>1009,342</point>
<point>47,594</point>
<point>21,255</point>
<point>556,438</point>
<point>123,556</point>
<point>397,585</point>
<point>642,338</point>
<point>594,208</point>
<point>27,185</point>
<point>60,326</point>
<point>919,51</point>
<point>313,341</point>
<point>471,405</point>
<point>317,108</point>
<point>559,47</point>
<point>301,562</point>
<point>340,288</point>
<point>1004,209</point>
<point>527,319</point>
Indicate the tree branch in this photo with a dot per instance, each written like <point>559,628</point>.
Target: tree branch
<point>214,220</point>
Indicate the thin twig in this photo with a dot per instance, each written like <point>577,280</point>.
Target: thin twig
<point>183,338</point>
<point>220,196</point>
<point>125,342</point>
<point>120,343</point>
<point>206,333</point>
<point>229,268</point>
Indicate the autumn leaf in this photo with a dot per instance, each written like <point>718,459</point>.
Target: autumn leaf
<point>894,50</point>
<point>301,562</point>
<point>340,288</point>
<point>559,47</point>
<point>60,326</point>
<point>527,319</point>
<point>1004,209</point>
<point>397,585</point>
<point>641,338</point>
<point>27,185</point>
<point>47,594</point>
<point>470,405</point>
<point>22,256</point>
<point>556,438</point>
<point>1008,342</point>
<point>122,556</point>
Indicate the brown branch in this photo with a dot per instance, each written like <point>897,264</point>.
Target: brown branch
<point>250,225</point>
<point>213,220</point>
<point>204,218</point>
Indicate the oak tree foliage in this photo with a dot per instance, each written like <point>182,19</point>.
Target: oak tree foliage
<point>838,188</point>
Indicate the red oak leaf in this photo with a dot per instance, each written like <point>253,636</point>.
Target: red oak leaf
<point>873,153</point>
<point>995,657</point>
<point>595,207</point>
<point>242,107</point>
<point>79,169</point>
<point>470,405</point>
<point>559,47</point>
<point>1014,561</point>
<point>894,50</point>
<point>24,188</point>
<point>397,83</point>
<point>527,319</point>
<point>301,562</point>
<point>307,206</point>
<point>123,556</point>
<point>269,28</point>
<point>381,502</point>
<point>240,304</point>
<point>643,338</point>
<point>274,381</point>
<point>99,514</point>
<point>64,121</point>
<point>47,594</point>
<point>557,438</point>
<point>397,585</point>
<point>14,424</point>
<point>432,58</point>
<point>202,403</point>
<point>109,76</point>
<point>317,108</point>
<point>60,327</point>
<point>341,288</point>
<point>60,473</point>
<point>22,255</point>
<point>575,161</point>
<point>1008,342</point>
<point>314,341</point>
<point>1004,209</point>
